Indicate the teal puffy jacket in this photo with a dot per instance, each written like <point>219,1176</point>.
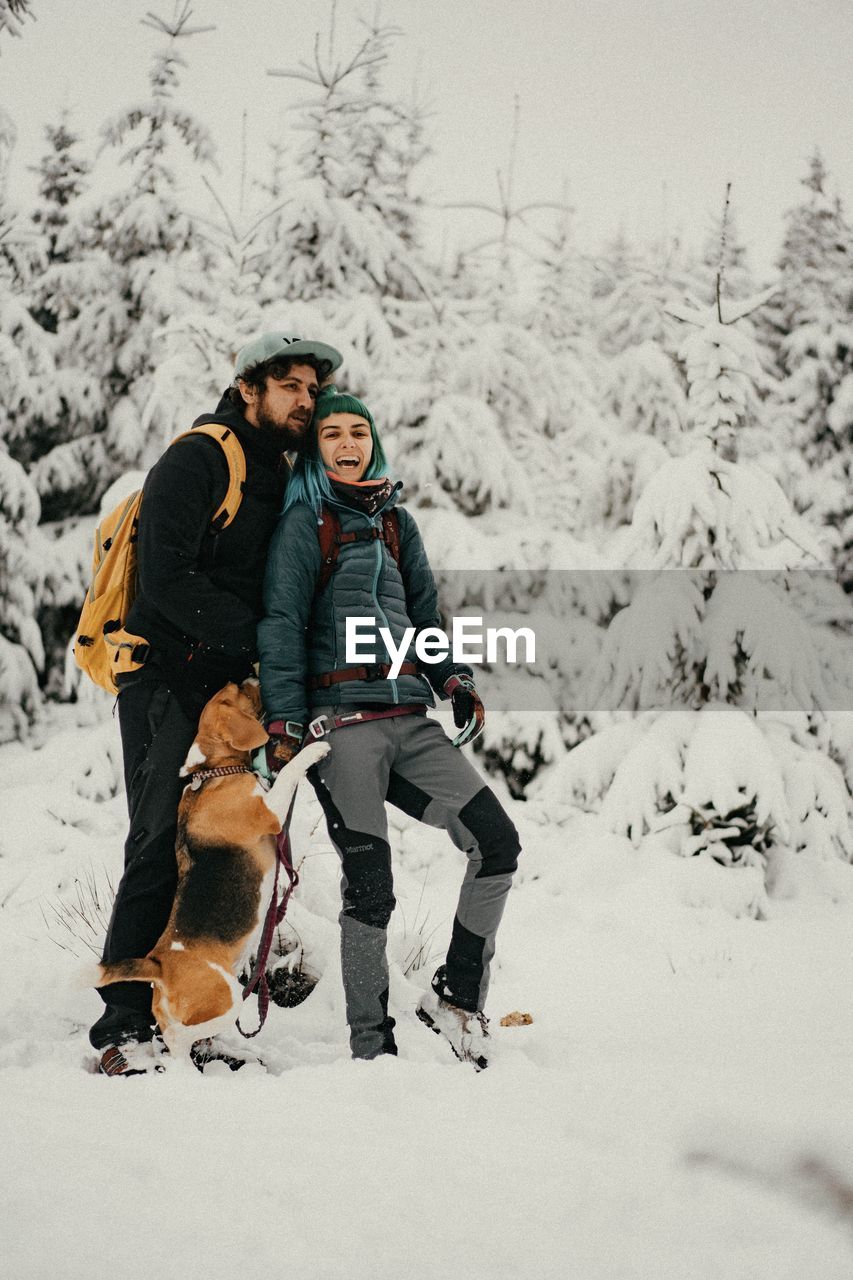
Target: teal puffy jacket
<point>303,632</point>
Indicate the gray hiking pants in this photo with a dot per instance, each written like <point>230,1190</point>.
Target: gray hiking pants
<point>409,761</point>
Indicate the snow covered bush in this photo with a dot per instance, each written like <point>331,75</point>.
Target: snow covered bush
<point>751,657</point>
<point>719,784</point>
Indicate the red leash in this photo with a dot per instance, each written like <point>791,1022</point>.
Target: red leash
<point>275,914</point>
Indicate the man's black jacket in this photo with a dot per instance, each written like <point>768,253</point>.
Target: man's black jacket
<point>200,594</point>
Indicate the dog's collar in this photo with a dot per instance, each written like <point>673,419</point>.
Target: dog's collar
<point>202,775</point>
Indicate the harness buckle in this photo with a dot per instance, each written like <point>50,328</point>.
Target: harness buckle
<point>316,729</point>
<point>377,671</point>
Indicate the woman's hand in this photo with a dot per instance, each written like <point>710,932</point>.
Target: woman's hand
<point>469,714</point>
<point>285,739</point>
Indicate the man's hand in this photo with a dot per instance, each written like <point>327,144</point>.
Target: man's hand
<point>284,741</point>
<point>469,714</point>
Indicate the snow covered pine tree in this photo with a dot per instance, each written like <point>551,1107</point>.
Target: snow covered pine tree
<point>740,776</point>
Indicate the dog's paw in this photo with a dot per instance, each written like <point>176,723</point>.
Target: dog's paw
<point>312,754</point>
<point>279,797</point>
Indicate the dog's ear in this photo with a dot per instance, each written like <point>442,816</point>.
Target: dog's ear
<point>210,725</point>
<point>240,729</point>
<point>251,689</point>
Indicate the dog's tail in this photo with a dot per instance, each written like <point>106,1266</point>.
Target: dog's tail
<point>143,969</point>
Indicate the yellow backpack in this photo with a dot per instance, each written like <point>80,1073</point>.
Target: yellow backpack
<point>103,648</point>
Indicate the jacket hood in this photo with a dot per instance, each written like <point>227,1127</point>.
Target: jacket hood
<point>256,441</point>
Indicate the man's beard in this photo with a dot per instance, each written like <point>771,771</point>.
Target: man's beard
<point>288,438</point>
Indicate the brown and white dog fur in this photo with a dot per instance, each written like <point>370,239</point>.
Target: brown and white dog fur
<point>226,852</point>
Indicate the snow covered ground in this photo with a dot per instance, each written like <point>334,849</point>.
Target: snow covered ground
<point>680,1108</point>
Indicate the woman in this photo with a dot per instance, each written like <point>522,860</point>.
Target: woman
<point>338,516</point>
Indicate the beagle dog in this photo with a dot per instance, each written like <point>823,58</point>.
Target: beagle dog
<point>226,854</point>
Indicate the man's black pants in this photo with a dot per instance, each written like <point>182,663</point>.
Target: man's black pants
<point>156,735</point>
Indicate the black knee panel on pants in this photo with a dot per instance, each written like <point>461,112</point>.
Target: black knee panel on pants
<point>368,883</point>
<point>496,836</point>
<point>405,795</point>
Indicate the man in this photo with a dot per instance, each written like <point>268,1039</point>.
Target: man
<point>198,604</point>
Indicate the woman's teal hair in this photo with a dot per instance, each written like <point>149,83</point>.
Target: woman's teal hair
<point>309,482</point>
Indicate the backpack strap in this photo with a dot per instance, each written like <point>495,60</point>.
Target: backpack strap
<point>332,539</point>
<point>236,459</point>
<point>391,527</point>
<point>328,532</point>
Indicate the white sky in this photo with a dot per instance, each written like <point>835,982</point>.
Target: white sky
<point>645,107</point>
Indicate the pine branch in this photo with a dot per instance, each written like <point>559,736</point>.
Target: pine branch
<point>504,207</point>
<point>508,215</point>
<point>12,19</point>
<point>243,150</point>
<point>513,149</point>
<point>308,75</point>
<point>239,239</point>
<point>178,26</point>
<point>377,31</point>
<point>436,308</point>
<point>265,217</point>
<point>507,243</point>
<point>693,314</point>
<point>326,77</point>
<point>787,533</point>
<point>504,210</point>
<point>555,242</point>
<point>748,305</point>
<point>470,204</point>
<point>542,204</point>
<point>226,215</point>
<point>722,260</point>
